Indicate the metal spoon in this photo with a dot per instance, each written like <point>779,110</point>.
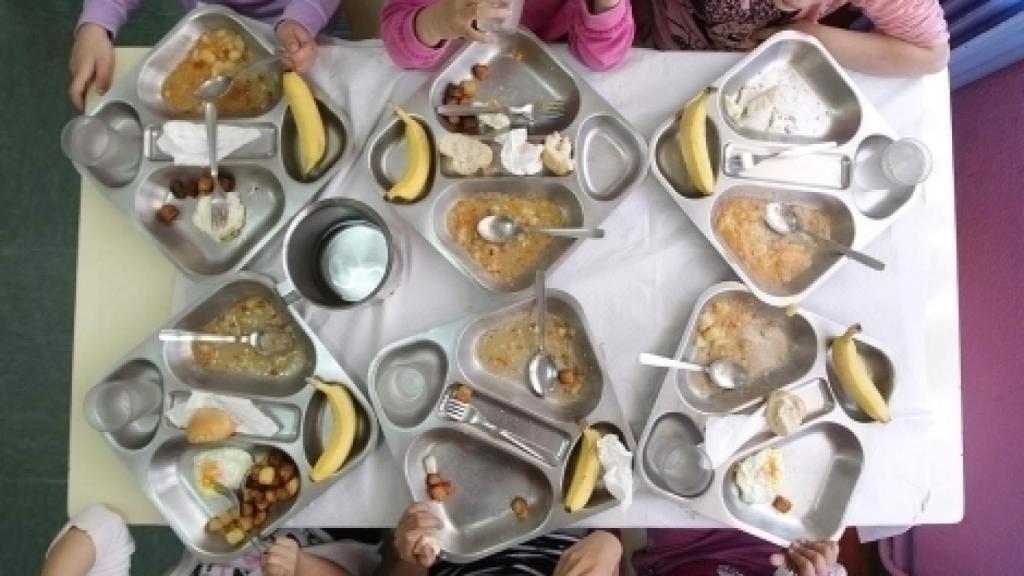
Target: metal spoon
<point>499,229</point>
<point>263,341</point>
<point>723,373</point>
<point>215,87</point>
<point>783,219</point>
<point>541,372</point>
<point>744,160</point>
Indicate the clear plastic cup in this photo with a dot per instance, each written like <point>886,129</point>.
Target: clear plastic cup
<point>92,142</point>
<point>904,162</point>
<point>113,404</point>
<point>506,25</point>
<point>686,469</point>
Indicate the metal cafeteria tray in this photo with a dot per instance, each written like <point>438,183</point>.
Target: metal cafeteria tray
<point>610,156</point>
<point>826,180</point>
<point>823,459</point>
<point>158,455</point>
<point>488,473</point>
<point>266,171</point>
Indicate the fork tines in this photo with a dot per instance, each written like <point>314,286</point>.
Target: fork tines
<point>454,408</point>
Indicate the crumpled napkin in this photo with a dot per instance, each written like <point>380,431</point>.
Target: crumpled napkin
<point>519,156</point>
<point>250,419</point>
<point>186,141</point>
<point>617,463</point>
<point>723,435</point>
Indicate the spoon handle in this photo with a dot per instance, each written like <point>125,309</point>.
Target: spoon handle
<point>663,362</point>
<point>210,113</point>
<point>571,232</point>
<point>171,335</point>
<point>870,262</point>
<point>542,310</point>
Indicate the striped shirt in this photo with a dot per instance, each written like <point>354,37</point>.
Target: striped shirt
<point>538,557</point>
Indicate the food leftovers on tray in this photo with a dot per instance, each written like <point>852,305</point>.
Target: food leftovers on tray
<point>201,187</point>
<point>506,350</point>
<point>520,508</point>
<point>734,328</point>
<point>507,262</point>
<point>438,488</point>
<point>557,155</point>
<point>778,100</point>
<point>463,393</point>
<point>772,259</point>
<point>782,504</point>
<point>272,479</point>
<point>248,314</point>
<point>224,466</point>
<point>519,156</point>
<point>218,51</point>
<point>202,217</point>
<point>759,476</point>
<point>466,156</point>
<point>785,412</point>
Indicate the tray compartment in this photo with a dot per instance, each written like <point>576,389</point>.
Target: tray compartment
<point>318,423</point>
<point>139,433</point>
<point>179,357</point>
<point>674,459</point>
<point>823,463</point>
<point>477,518</point>
<point>291,152</point>
<point>408,382</point>
<point>609,157</point>
<point>882,371</point>
<point>389,154</point>
<point>877,203</point>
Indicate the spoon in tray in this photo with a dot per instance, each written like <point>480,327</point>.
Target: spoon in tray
<point>725,374</point>
<point>541,372</point>
<point>499,229</point>
<point>263,341</point>
<point>784,220</point>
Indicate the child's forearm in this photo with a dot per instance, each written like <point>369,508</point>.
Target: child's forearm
<point>877,54</point>
<point>310,565</point>
<point>602,32</point>
<point>312,14</point>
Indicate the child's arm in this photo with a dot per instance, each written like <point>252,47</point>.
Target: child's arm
<point>285,559</point>
<point>876,53</point>
<point>72,555</point>
<point>416,32</point>
<point>310,565</point>
<point>601,33</point>
<point>312,14</point>
<point>398,30</point>
<point>109,14</point>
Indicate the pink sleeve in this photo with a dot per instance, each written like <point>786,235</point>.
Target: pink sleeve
<point>920,22</point>
<point>601,41</point>
<point>398,30</point>
<point>312,14</point>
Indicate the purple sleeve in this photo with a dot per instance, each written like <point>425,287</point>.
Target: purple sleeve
<point>312,14</point>
<point>398,30</point>
<point>110,14</point>
<point>601,41</point>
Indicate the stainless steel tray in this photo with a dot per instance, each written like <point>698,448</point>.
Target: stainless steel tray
<point>160,458</point>
<point>487,472</point>
<point>826,180</point>
<point>610,156</point>
<point>824,457</point>
<point>266,171</point>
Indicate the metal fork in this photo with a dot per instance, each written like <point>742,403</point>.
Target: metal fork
<point>465,413</point>
<point>233,498</point>
<point>549,110</point>
<point>219,201</point>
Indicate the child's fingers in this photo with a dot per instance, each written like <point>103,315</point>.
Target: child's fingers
<point>491,13</point>
<point>477,36</point>
<point>104,74</point>
<point>80,83</point>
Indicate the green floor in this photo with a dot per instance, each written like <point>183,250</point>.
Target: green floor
<point>38,240</point>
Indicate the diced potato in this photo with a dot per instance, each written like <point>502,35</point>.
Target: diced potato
<point>267,475</point>
<point>246,523</point>
<point>260,519</point>
<point>262,505</point>
<point>235,513</point>
<point>275,458</point>
<point>225,518</point>
<point>292,487</point>
<point>235,536</point>
<point>282,494</point>
<point>248,509</point>
<point>214,526</point>
<point>271,496</point>
<point>286,472</point>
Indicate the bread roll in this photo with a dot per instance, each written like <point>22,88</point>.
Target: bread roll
<point>785,412</point>
<point>209,425</point>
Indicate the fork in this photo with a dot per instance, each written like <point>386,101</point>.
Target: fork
<point>549,110</point>
<point>219,201</point>
<point>465,413</point>
<point>233,499</point>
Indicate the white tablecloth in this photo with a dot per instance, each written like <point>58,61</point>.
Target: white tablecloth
<point>638,286</point>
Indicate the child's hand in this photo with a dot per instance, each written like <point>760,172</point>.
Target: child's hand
<point>809,558</point>
<point>596,555</point>
<point>416,524</point>
<point>299,45</point>
<point>451,19</point>
<point>92,63</point>
<point>282,559</point>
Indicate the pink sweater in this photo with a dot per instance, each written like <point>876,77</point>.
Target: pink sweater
<point>600,41</point>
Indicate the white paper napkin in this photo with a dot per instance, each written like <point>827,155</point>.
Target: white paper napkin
<point>723,435</point>
<point>250,419</point>
<point>617,463</point>
<point>186,141</point>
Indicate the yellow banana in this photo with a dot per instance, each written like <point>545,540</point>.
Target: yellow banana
<point>343,434</point>
<point>585,472</point>
<point>693,142</point>
<point>855,378</point>
<point>308,124</point>
<point>413,182</point>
